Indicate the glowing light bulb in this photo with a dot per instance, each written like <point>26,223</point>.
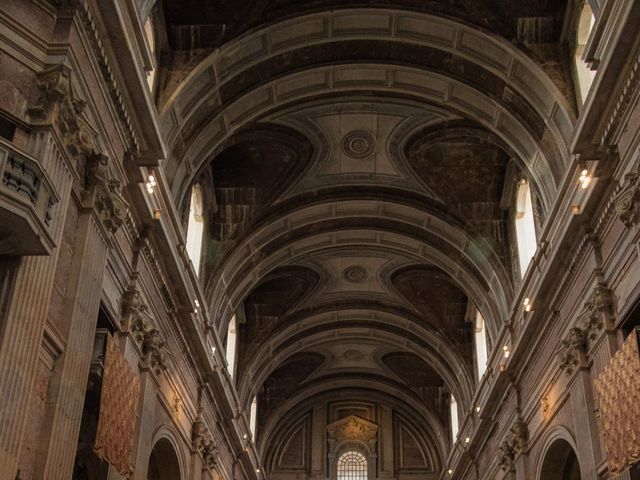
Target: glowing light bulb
<point>584,179</point>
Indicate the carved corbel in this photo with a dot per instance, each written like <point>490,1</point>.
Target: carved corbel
<point>210,454</point>
<point>516,442</point>
<point>574,349</point>
<point>506,457</point>
<point>57,105</point>
<point>135,314</point>
<point>104,193</point>
<point>627,202</point>
<point>600,311</point>
<point>155,352</point>
<point>199,434</point>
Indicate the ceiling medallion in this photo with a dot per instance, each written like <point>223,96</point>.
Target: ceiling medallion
<point>359,144</point>
<point>355,274</point>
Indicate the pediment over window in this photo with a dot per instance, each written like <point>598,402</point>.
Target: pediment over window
<point>352,428</point>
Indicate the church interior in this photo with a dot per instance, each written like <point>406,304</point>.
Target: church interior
<point>319,239</point>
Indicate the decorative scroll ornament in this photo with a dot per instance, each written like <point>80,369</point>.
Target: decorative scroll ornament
<point>516,442</point>
<point>118,410</point>
<point>618,389</point>
<point>202,442</point>
<point>574,349</point>
<point>104,193</point>
<point>627,202</point>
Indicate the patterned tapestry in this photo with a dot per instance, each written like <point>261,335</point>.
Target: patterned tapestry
<point>118,410</point>
<point>618,388</point>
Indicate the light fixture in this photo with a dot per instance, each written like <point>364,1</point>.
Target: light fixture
<point>527,305</point>
<point>151,183</point>
<point>467,440</point>
<point>506,351</point>
<point>450,472</point>
<point>245,436</point>
<point>257,470</point>
<point>213,352</point>
<point>584,179</point>
<point>477,409</point>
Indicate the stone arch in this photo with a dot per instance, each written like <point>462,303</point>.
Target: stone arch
<point>449,366</point>
<point>558,459</point>
<point>474,282</point>
<point>183,116</point>
<point>166,460</point>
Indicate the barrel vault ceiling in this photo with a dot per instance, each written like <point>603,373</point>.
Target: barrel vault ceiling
<point>357,159</point>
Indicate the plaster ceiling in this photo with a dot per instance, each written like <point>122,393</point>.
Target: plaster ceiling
<point>358,162</point>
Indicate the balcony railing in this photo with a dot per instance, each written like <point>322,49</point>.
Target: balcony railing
<point>26,201</point>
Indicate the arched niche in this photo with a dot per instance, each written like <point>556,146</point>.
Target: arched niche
<point>163,462</point>
<point>560,462</point>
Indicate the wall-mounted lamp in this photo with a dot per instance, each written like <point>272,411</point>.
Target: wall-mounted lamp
<point>506,351</point>
<point>584,179</point>
<point>151,183</point>
<point>527,305</point>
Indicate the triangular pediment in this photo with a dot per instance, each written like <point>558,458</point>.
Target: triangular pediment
<point>352,428</point>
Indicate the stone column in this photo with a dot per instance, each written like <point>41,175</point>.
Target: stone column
<point>68,387</point>
<point>318,434</point>
<point>144,431</point>
<point>386,439</point>
<point>584,424</point>
<point>25,320</point>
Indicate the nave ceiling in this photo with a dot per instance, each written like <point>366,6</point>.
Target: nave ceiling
<point>358,169</point>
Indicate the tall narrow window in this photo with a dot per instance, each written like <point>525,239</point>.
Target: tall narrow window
<point>151,41</point>
<point>253,416</point>
<point>583,74</point>
<point>195,228</point>
<point>454,418</point>
<point>352,466</point>
<point>231,346</point>
<point>525,226</point>
<point>481,345</point>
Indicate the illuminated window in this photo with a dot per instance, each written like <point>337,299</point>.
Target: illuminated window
<point>454,418</point>
<point>525,226</point>
<point>352,466</point>
<point>481,345</point>
<point>253,414</point>
<point>151,41</point>
<point>232,339</point>
<point>195,228</point>
<point>583,74</point>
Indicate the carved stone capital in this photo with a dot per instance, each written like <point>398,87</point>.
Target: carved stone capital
<point>627,202</point>
<point>516,442</point>
<point>155,351</point>
<point>506,457</point>
<point>199,434</point>
<point>600,310</point>
<point>103,193</point>
<point>57,105</point>
<point>573,351</point>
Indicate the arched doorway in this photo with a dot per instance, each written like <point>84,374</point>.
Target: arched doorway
<point>560,463</point>
<point>163,462</point>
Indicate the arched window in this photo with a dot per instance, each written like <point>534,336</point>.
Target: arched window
<point>352,466</point>
<point>253,416</point>
<point>481,345</point>
<point>151,42</point>
<point>525,226</point>
<point>232,339</point>
<point>454,418</point>
<point>583,74</point>
<point>195,228</point>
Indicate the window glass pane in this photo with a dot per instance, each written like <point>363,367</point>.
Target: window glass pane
<point>352,466</point>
